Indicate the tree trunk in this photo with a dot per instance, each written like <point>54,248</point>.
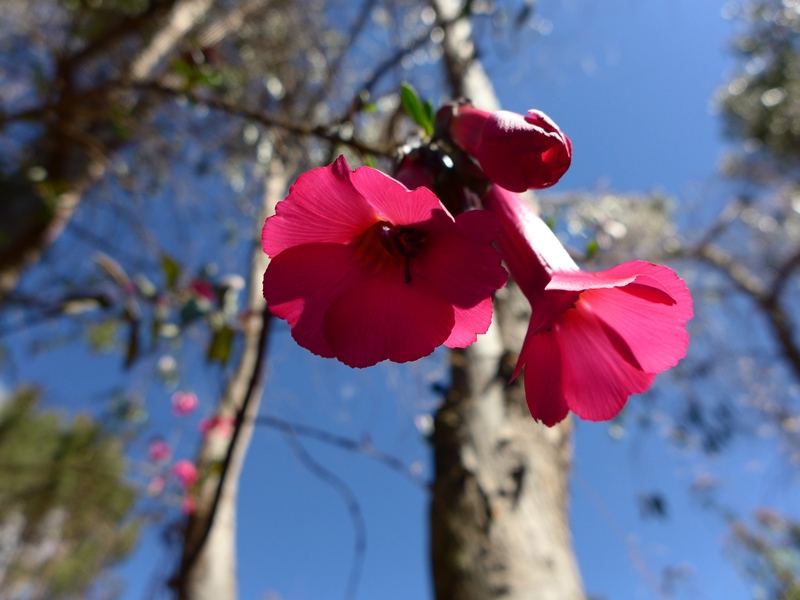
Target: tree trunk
<point>499,523</point>
<point>208,565</point>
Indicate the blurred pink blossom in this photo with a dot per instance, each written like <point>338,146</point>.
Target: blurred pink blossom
<point>221,425</point>
<point>186,472</point>
<point>159,451</point>
<point>203,288</point>
<point>183,403</point>
<point>156,485</point>
<point>188,505</point>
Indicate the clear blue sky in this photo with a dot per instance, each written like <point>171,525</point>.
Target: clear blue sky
<point>630,81</point>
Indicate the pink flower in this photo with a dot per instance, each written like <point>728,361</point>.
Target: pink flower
<point>183,403</point>
<point>221,425</point>
<point>159,451</point>
<point>203,288</point>
<point>365,270</point>
<point>516,152</point>
<point>594,338</point>
<point>188,505</point>
<point>156,485</point>
<point>186,472</point>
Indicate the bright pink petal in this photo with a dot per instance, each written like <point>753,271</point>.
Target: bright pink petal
<point>519,154</point>
<point>596,379</point>
<point>479,225</point>
<point>654,332</point>
<point>548,307</point>
<point>541,356</point>
<point>646,273</point>
<point>384,318</point>
<point>400,206</point>
<point>413,173</point>
<point>627,275</point>
<point>464,271</point>
<point>530,249</point>
<point>469,322</point>
<point>466,127</point>
<point>301,283</point>
<point>322,206</point>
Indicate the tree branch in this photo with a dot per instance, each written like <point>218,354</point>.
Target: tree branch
<point>344,443</point>
<point>331,133</point>
<point>353,508</point>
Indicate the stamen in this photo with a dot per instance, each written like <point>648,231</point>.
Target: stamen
<point>398,241</point>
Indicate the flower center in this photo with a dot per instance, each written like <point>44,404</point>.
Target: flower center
<point>383,242</point>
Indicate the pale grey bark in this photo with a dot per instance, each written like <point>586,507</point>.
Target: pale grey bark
<point>499,520</point>
<point>208,569</point>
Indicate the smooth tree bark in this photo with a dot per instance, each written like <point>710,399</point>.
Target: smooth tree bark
<point>499,507</point>
<point>208,564</point>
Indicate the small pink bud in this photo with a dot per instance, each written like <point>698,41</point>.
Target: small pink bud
<point>188,505</point>
<point>156,485</point>
<point>412,173</point>
<point>186,472</point>
<point>183,403</point>
<point>159,451</point>
<point>516,152</point>
<point>219,425</point>
<point>203,288</point>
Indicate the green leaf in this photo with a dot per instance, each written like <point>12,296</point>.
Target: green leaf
<point>428,105</point>
<point>370,107</point>
<point>370,161</point>
<point>414,107</point>
<point>171,271</point>
<point>591,248</point>
<point>102,337</point>
<point>221,345</point>
<point>193,310</point>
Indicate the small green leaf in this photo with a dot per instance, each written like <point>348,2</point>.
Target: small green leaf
<point>414,108</point>
<point>370,107</point>
<point>428,105</point>
<point>102,337</point>
<point>551,223</point>
<point>221,345</point>
<point>370,161</point>
<point>193,309</point>
<point>591,248</point>
<point>171,271</point>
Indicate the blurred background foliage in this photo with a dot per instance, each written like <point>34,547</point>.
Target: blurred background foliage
<point>65,501</point>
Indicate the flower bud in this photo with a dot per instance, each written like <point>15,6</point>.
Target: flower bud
<point>516,152</point>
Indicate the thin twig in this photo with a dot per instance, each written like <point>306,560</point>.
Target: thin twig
<point>353,508</point>
<point>331,132</point>
<point>344,443</point>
